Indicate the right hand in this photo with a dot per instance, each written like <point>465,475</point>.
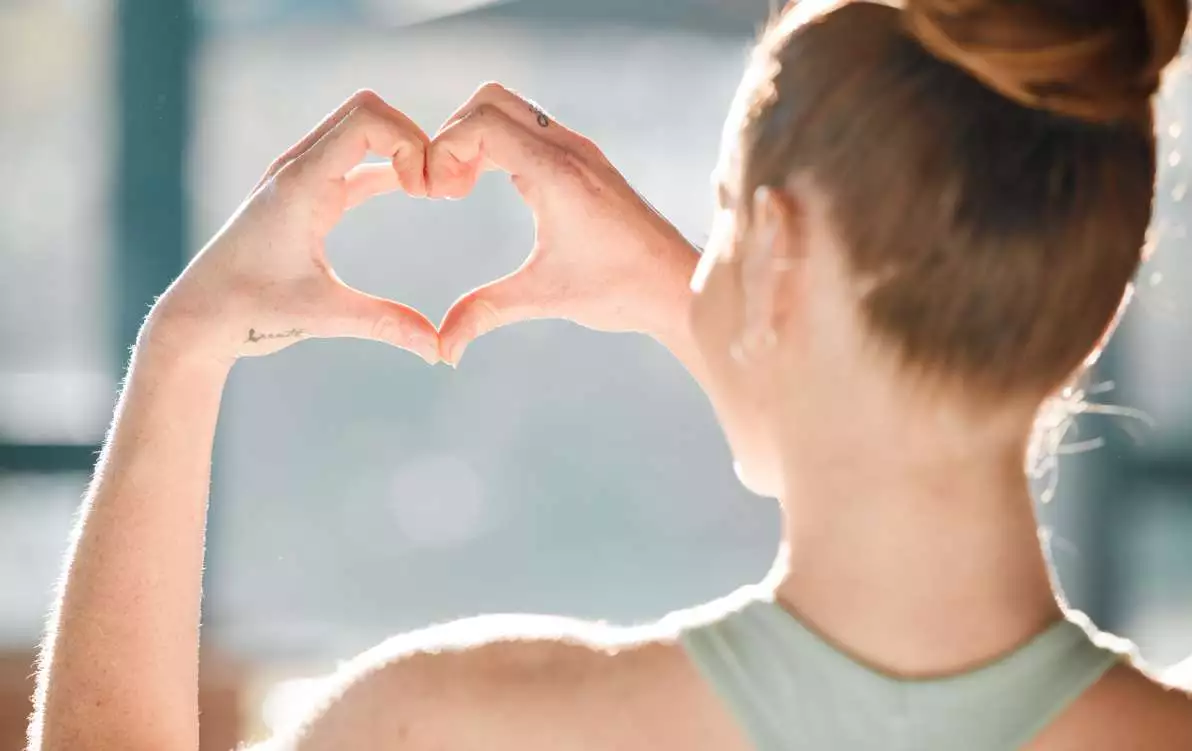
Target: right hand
<point>264,281</point>
<point>602,256</point>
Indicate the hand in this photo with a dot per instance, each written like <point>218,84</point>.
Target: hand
<point>602,256</point>
<point>263,282</point>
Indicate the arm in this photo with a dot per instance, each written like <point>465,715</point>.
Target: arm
<point>123,644</point>
<point>602,257</point>
<point>120,662</point>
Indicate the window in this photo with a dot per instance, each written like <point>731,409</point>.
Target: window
<point>57,365</point>
<point>56,382</point>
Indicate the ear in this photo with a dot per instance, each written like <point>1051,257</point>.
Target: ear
<point>770,255</point>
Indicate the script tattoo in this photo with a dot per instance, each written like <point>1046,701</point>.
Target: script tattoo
<point>260,336</point>
<point>543,120</point>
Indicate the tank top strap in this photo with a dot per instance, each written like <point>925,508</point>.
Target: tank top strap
<point>790,688</point>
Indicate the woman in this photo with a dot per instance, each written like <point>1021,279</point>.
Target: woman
<point>928,220</point>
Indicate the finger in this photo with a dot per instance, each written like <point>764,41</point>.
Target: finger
<point>373,127</point>
<point>521,109</point>
<point>499,303</point>
<point>367,180</point>
<point>452,178</point>
<point>410,165</point>
<point>355,314</point>
<point>485,138</point>
<point>320,130</point>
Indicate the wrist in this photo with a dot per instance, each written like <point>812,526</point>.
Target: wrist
<point>170,343</point>
<point>667,314</point>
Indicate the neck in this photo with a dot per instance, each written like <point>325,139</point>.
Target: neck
<point>915,550</point>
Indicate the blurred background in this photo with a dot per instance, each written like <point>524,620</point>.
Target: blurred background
<point>358,493</point>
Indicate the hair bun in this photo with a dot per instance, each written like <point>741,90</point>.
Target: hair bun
<point>1098,60</point>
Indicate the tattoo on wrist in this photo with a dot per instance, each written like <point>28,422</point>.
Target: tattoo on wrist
<point>543,120</point>
<point>260,336</point>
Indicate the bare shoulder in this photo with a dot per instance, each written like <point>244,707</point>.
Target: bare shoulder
<point>1126,709</point>
<point>524,682</point>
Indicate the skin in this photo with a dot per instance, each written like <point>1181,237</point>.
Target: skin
<point>900,490</point>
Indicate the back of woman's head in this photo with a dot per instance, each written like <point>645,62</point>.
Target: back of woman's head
<point>990,166</point>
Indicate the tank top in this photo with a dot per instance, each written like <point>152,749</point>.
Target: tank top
<point>791,689</point>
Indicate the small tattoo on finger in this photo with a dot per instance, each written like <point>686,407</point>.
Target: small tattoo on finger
<point>543,120</point>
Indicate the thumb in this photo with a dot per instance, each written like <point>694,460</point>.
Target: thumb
<point>358,315</point>
<point>507,300</point>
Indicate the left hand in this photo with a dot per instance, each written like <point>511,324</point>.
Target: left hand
<point>602,256</point>
<point>263,282</point>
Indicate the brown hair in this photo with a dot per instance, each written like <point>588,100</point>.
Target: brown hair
<point>990,165</point>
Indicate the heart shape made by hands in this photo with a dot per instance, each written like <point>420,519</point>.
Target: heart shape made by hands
<point>602,256</point>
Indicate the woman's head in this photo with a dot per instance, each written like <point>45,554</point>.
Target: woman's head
<point>960,188</point>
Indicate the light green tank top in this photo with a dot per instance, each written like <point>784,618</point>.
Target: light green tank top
<point>791,690</point>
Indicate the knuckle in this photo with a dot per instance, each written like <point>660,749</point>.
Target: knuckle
<point>286,179</point>
<point>359,114</point>
<point>575,168</point>
<point>365,98</point>
<point>484,111</point>
<point>363,118</point>
<point>588,147</point>
<point>490,89</point>
<point>409,147</point>
<point>277,164</point>
<point>561,157</point>
<point>273,169</point>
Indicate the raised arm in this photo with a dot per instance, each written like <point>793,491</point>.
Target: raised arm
<point>119,665</point>
<point>602,257</point>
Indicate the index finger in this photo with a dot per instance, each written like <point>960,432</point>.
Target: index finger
<point>484,138</point>
<point>325,125</point>
<point>371,127</point>
<point>522,110</point>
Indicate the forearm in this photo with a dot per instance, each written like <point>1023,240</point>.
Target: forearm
<point>120,665</point>
<point>121,660</point>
